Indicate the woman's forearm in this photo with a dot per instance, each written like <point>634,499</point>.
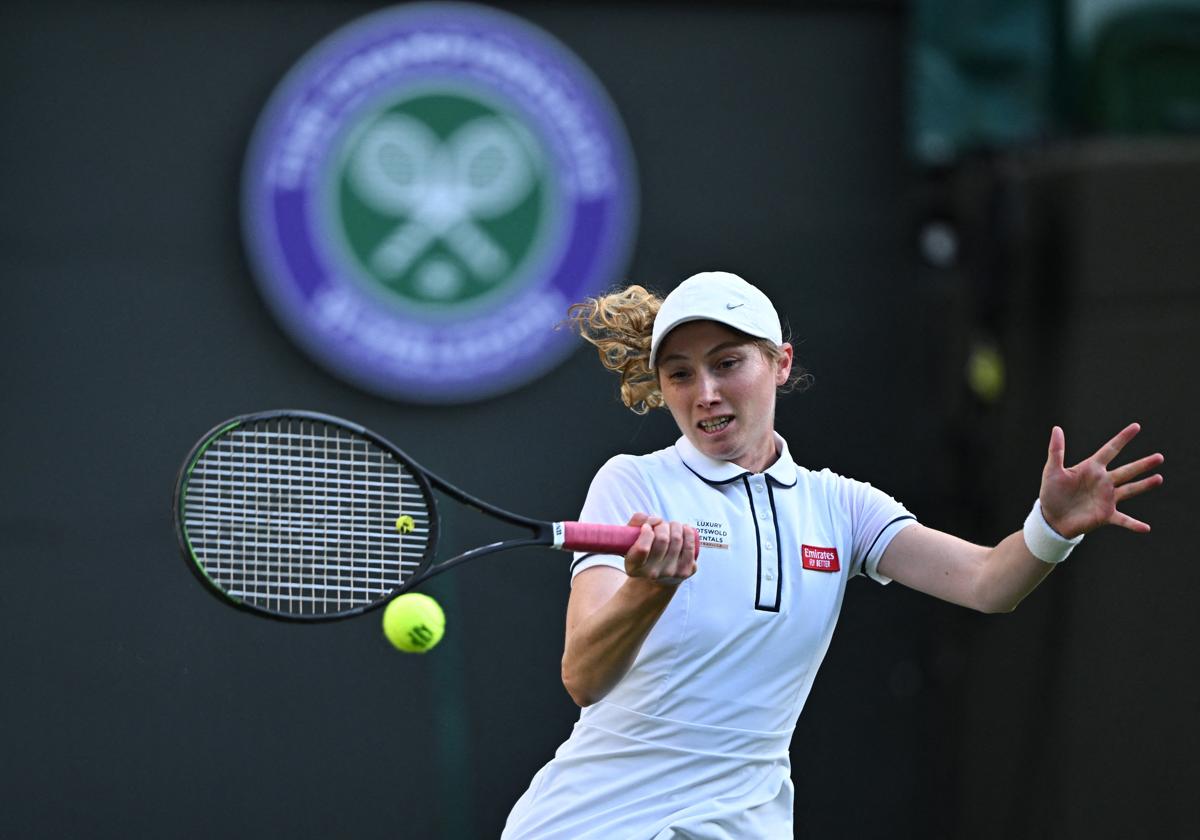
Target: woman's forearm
<point>1008,574</point>
<point>986,579</point>
<point>601,646</point>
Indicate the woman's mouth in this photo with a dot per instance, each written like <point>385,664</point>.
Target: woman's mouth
<point>715,424</point>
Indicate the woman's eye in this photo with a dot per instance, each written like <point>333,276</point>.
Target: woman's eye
<point>725,364</point>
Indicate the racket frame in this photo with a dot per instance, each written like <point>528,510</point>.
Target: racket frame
<point>543,533</point>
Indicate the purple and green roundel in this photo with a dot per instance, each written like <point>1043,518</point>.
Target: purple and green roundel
<point>425,194</point>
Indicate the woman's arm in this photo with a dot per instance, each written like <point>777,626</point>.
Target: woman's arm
<point>1074,501</point>
<point>610,613</point>
<point>985,579</point>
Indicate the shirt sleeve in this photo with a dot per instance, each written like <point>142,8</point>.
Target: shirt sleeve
<point>875,519</point>
<point>617,492</point>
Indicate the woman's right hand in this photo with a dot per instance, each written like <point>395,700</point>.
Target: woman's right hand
<point>665,552</point>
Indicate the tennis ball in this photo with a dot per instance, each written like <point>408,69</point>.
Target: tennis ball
<point>405,524</point>
<point>413,622</point>
<point>985,372</point>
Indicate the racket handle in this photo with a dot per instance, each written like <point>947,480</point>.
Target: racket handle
<point>599,539</point>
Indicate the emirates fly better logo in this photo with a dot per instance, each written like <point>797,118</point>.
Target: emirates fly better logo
<point>427,192</point>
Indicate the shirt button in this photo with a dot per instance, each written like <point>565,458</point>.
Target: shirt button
<point>770,547</point>
<point>757,488</point>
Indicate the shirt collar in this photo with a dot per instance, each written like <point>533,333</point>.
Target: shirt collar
<point>782,472</point>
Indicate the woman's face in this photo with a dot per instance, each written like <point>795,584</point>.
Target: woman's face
<point>720,389</point>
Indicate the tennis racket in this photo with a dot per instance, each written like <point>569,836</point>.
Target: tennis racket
<point>299,515</point>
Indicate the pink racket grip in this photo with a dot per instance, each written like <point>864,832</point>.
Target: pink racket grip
<point>599,539</point>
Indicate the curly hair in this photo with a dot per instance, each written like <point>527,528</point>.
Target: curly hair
<point>620,324</point>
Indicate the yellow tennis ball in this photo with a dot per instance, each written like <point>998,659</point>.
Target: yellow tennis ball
<point>985,372</point>
<point>413,622</point>
<point>405,524</point>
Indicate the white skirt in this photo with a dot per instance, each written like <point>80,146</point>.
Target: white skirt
<point>628,776</point>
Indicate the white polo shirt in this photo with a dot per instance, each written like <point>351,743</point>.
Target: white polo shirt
<point>727,668</point>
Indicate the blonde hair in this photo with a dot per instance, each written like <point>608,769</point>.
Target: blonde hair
<point>620,324</point>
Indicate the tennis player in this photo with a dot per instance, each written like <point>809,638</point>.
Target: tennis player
<point>692,673</point>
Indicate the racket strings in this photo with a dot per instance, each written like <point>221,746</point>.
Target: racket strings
<point>299,517</point>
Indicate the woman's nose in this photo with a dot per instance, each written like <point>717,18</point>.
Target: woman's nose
<point>707,392</point>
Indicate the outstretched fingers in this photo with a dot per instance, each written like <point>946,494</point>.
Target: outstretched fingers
<point>1136,488</point>
<point>1085,496</point>
<point>1057,449</point>
<point>1125,478</point>
<point>1126,473</point>
<point>1125,521</point>
<point>1106,453</point>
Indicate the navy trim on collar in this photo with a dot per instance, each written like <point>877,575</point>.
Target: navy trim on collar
<point>716,473</point>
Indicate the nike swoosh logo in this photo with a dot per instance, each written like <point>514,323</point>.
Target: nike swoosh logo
<point>733,305</point>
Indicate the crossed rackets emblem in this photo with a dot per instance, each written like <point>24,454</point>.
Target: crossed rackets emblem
<point>440,189</point>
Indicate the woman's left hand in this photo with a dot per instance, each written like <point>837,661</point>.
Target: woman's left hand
<point>1081,498</point>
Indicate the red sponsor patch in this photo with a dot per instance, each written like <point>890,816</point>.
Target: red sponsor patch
<point>819,559</point>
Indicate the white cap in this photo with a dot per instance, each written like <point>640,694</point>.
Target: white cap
<point>716,296</point>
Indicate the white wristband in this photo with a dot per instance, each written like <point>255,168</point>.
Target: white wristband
<point>1044,542</point>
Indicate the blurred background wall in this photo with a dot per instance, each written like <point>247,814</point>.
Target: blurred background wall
<point>980,220</point>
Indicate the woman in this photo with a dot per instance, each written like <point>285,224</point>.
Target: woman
<point>692,671</point>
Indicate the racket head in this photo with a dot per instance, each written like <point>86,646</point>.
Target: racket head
<point>296,515</point>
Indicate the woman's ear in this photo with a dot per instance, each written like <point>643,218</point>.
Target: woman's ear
<point>783,367</point>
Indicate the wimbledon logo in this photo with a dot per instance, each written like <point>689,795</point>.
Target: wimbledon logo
<point>427,192</point>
